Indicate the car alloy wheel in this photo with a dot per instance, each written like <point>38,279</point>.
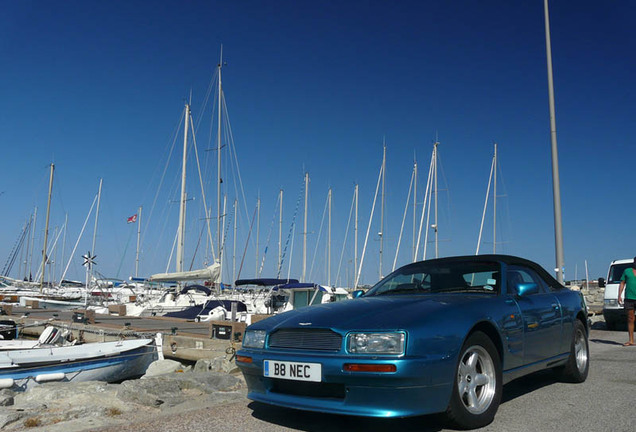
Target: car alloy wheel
<point>476,380</point>
<point>580,349</point>
<point>477,389</point>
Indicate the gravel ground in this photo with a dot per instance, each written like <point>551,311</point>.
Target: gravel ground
<point>536,403</point>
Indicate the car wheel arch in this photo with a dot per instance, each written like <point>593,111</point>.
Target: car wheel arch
<point>581,317</point>
<point>490,330</point>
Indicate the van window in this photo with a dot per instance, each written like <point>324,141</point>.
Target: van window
<point>616,271</point>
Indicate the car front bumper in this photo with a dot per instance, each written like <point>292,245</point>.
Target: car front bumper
<point>420,385</point>
<point>614,314</point>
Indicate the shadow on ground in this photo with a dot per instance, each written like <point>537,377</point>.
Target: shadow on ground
<point>605,342</point>
<point>319,422</point>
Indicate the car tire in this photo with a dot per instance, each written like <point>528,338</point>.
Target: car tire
<point>578,364</point>
<point>477,386</point>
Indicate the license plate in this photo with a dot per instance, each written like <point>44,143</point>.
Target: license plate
<point>292,370</point>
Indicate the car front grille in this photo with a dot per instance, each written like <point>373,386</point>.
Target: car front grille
<point>306,340</point>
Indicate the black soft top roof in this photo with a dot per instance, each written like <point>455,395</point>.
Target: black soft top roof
<point>506,259</point>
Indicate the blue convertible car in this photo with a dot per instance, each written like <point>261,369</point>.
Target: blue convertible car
<point>434,336</point>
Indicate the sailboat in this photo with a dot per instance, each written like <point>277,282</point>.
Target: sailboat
<point>210,273</point>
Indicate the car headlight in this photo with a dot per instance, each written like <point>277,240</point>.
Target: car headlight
<point>376,343</point>
<point>254,339</point>
<point>611,302</point>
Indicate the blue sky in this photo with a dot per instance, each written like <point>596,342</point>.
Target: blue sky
<point>98,88</point>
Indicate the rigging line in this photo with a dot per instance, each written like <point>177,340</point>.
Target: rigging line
<point>446,189</point>
<point>163,175</point>
<point>238,276</point>
<point>174,244</point>
<point>406,207</point>
<point>206,163</point>
<point>366,238</point>
<point>483,215</point>
<point>226,230</point>
<point>291,252</point>
<point>211,86</point>
<point>52,246</point>
<point>346,236</point>
<point>123,256</point>
<point>78,238</point>
<point>196,249</point>
<point>175,192</point>
<point>16,249</point>
<point>424,207</point>
<point>235,156</point>
<point>269,235</point>
<point>428,206</point>
<point>205,206</point>
<point>291,228</point>
<point>506,228</point>
<point>322,222</point>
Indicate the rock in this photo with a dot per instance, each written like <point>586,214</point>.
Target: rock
<point>9,417</point>
<point>60,392</point>
<point>217,364</point>
<point>171,390</point>
<point>6,397</point>
<point>204,365</point>
<point>57,404</point>
<point>84,406</point>
<point>163,367</point>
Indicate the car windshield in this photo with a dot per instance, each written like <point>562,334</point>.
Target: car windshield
<point>616,272</point>
<point>446,277</point>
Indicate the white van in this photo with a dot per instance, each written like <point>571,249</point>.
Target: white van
<point>614,313</point>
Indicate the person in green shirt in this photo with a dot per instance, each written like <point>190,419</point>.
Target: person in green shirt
<point>628,284</point>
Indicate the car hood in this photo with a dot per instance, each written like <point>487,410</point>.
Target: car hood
<point>376,312</point>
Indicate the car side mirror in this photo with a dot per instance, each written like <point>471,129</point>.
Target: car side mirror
<point>601,282</point>
<point>357,293</point>
<point>524,289</point>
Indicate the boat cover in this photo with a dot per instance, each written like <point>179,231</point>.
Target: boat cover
<point>264,282</point>
<point>194,311</point>
<point>201,288</point>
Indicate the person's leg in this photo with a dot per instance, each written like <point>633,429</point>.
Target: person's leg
<point>630,326</point>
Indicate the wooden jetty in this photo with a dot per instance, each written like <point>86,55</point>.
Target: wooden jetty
<point>183,340</point>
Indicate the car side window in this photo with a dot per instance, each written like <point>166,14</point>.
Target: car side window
<point>520,275</point>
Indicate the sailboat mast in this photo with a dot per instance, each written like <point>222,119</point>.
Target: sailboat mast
<point>494,205</point>
<point>64,240</point>
<point>99,199</point>
<point>218,155</point>
<point>138,242</point>
<point>182,209</point>
<point>382,207</point>
<point>435,172</point>
<point>414,210</point>
<point>355,235</point>
<point>329,244</point>
<point>280,230</point>
<point>46,226</point>
<point>35,221</point>
<point>305,227</point>
<point>234,245</point>
<point>258,233</point>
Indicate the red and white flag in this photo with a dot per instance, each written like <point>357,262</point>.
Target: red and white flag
<point>132,219</point>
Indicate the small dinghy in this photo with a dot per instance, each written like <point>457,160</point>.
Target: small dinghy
<point>115,361</point>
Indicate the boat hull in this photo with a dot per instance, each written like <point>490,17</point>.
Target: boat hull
<point>105,361</point>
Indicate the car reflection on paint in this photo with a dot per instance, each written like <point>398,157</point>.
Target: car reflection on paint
<point>436,336</point>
